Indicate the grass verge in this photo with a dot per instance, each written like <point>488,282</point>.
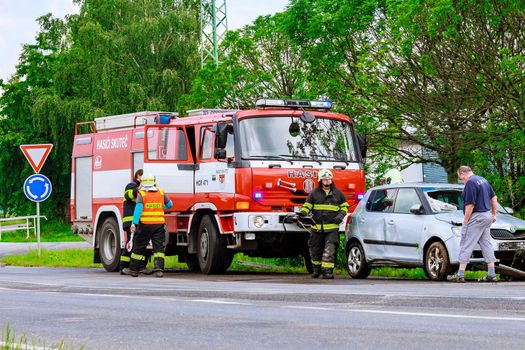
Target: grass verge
<point>10,341</point>
<point>51,231</point>
<point>241,262</point>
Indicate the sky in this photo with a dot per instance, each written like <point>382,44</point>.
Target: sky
<point>18,23</point>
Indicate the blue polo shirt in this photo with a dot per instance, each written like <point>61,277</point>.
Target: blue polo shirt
<point>477,191</point>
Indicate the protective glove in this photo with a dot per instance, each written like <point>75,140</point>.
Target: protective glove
<point>339,219</point>
<point>302,213</point>
<point>129,245</point>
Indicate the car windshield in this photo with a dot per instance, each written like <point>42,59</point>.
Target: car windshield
<point>448,199</point>
<point>288,138</point>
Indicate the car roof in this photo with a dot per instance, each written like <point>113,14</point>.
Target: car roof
<point>419,185</point>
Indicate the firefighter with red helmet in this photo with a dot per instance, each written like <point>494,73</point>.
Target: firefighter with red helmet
<point>149,211</point>
<point>329,207</point>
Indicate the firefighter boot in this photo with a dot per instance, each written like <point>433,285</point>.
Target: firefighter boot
<point>158,263</point>
<point>328,274</point>
<point>316,271</point>
<point>129,272</point>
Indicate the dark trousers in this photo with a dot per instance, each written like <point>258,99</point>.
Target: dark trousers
<point>323,248</point>
<point>143,235</point>
<point>125,254</point>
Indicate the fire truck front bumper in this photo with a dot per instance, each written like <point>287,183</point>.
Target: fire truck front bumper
<point>268,222</point>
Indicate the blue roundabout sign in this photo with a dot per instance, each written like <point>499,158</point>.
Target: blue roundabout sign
<point>37,188</point>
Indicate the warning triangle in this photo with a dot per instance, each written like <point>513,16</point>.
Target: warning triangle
<point>36,155</point>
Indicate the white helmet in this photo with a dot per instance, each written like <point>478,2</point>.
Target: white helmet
<point>325,174</point>
<point>393,176</point>
<point>148,181</point>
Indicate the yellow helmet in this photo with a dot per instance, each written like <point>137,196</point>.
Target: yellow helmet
<point>325,174</point>
<point>148,181</point>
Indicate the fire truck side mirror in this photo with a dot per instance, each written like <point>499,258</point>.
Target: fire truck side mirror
<point>220,153</point>
<point>361,140</point>
<point>221,135</point>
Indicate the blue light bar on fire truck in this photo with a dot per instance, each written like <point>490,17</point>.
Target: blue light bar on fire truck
<point>262,103</point>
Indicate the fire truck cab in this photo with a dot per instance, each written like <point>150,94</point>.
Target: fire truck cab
<point>234,177</point>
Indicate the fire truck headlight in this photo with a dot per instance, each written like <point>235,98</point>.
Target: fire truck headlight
<point>258,221</point>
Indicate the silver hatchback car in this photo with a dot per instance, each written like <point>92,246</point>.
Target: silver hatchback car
<point>419,225</point>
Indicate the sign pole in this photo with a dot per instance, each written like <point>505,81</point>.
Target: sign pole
<point>38,226</point>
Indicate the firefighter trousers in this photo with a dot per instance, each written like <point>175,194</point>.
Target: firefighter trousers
<point>125,254</point>
<point>323,249</point>
<point>145,233</point>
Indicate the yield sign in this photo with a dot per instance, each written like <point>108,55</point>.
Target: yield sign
<point>36,155</point>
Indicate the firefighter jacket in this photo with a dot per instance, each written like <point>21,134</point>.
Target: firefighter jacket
<point>328,209</point>
<point>153,207</point>
<point>130,199</point>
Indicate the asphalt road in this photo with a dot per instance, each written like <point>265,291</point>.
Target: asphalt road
<point>259,311</point>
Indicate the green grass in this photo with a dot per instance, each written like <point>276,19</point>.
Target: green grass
<point>52,231</point>
<point>10,341</point>
<point>84,258</point>
<point>54,258</point>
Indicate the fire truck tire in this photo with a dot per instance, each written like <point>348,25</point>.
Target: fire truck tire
<point>308,263</point>
<point>109,244</point>
<point>212,253</point>
<point>193,262</point>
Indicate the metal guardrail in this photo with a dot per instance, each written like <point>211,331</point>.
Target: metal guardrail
<point>16,227</point>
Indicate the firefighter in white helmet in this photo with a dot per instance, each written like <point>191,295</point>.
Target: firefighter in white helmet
<point>149,211</point>
<point>329,207</point>
<point>392,176</point>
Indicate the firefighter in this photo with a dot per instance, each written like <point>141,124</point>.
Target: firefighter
<point>149,211</point>
<point>130,198</point>
<point>392,176</point>
<point>328,207</point>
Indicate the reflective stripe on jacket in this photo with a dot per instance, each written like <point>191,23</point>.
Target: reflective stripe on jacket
<point>328,210</point>
<point>153,207</point>
<point>130,199</point>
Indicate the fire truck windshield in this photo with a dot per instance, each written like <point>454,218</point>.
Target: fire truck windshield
<point>289,138</point>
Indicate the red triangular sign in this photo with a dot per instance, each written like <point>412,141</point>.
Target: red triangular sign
<point>36,155</point>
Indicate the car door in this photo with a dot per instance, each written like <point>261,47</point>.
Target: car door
<point>371,222</point>
<point>404,229</point>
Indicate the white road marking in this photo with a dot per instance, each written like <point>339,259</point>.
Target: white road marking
<point>211,301</point>
<point>404,313</point>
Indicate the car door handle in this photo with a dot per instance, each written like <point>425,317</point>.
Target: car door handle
<point>390,222</point>
<point>361,220</point>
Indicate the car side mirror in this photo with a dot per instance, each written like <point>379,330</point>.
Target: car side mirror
<point>416,209</point>
<point>509,210</point>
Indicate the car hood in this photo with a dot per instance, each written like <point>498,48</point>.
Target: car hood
<point>502,220</point>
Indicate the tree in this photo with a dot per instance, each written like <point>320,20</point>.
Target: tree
<point>260,62</point>
<point>116,56</point>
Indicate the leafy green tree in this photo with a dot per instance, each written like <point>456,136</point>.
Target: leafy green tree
<point>116,56</point>
<point>260,61</point>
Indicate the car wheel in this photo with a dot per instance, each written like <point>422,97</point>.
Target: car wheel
<point>109,245</point>
<point>356,262</point>
<point>437,262</point>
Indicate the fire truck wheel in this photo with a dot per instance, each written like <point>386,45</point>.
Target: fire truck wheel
<point>211,248</point>
<point>193,262</point>
<point>308,263</point>
<point>109,244</point>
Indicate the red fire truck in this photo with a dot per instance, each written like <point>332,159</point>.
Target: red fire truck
<point>234,177</point>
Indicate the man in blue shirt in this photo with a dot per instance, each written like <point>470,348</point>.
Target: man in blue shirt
<point>479,207</point>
